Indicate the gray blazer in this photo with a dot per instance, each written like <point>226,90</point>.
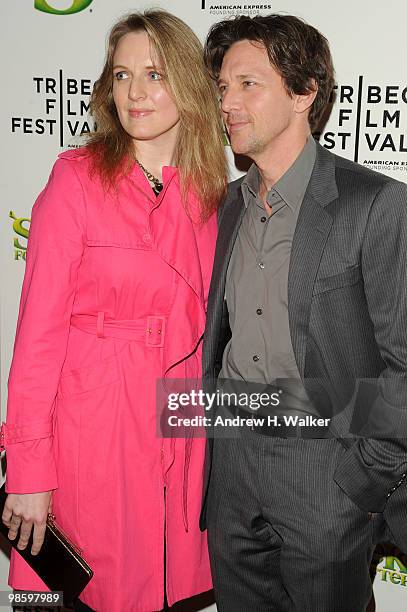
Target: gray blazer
<point>347,307</point>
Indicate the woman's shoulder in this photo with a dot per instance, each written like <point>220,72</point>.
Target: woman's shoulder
<point>80,156</point>
<point>73,162</point>
<point>75,154</point>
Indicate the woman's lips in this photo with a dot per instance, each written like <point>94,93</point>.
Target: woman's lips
<point>138,114</point>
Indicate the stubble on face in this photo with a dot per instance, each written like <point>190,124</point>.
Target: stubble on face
<point>251,145</point>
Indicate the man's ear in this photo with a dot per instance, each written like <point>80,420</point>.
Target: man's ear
<point>303,102</point>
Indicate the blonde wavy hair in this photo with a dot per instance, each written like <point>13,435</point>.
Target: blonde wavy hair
<point>200,153</point>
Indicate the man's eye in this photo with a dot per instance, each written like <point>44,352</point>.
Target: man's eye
<point>222,89</point>
<point>248,83</point>
<point>120,76</point>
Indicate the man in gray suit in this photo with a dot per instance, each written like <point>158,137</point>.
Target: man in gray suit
<point>309,286</point>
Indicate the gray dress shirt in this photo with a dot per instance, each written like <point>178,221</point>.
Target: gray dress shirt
<point>260,349</point>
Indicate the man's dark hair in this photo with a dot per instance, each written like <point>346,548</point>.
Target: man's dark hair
<point>297,51</point>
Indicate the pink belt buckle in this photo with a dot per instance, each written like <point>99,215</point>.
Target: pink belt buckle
<point>155,331</point>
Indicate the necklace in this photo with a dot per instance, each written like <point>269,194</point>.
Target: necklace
<point>158,186</point>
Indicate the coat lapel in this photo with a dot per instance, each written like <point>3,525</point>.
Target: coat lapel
<point>188,247</point>
<point>174,233</point>
<point>234,210</point>
<point>229,228</point>
<point>312,230</point>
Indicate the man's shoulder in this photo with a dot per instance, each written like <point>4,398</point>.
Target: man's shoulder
<point>347,170</point>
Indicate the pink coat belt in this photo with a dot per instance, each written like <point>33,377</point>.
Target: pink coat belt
<point>150,330</point>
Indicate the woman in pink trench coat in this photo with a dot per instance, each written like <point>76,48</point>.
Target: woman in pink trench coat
<point>114,299</point>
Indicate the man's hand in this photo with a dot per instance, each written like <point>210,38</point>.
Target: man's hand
<point>27,510</point>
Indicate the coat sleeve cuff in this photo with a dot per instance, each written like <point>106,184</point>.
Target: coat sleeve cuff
<point>31,467</point>
<point>14,434</point>
<point>367,485</point>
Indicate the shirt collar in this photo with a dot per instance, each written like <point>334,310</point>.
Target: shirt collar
<point>291,187</point>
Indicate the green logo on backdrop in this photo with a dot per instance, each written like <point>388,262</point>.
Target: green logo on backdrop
<point>76,7</point>
<point>393,570</point>
<point>20,240</point>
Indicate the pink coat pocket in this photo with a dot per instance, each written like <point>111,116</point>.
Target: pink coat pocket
<point>90,378</point>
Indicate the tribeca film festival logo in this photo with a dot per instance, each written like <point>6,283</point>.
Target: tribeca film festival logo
<point>65,109</point>
<point>21,231</point>
<point>76,7</point>
<point>228,8</point>
<point>368,125</point>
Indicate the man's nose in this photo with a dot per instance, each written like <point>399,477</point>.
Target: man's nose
<point>230,100</point>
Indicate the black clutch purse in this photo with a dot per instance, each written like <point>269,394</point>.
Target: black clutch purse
<point>59,563</point>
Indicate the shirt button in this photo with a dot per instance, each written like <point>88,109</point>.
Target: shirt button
<point>261,265</point>
<point>256,357</point>
<point>146,238</point>
<point>259,311</point>
<point>263,219</point>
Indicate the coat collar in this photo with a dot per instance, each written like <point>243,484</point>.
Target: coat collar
<point>322,185</point>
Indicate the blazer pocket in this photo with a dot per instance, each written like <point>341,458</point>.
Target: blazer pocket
<point>348,277</point>
<point>90,378</point>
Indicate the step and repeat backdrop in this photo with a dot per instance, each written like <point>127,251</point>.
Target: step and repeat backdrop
<point>52,52</point>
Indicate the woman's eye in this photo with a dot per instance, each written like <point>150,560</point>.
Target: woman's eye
<point>120,76</point>
<point>155,76</point>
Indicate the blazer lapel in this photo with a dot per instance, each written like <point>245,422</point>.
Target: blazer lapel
<point>230,223</point>
<point>312,230</point>
<point>228,230</point>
